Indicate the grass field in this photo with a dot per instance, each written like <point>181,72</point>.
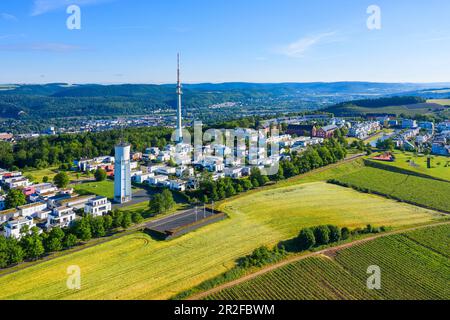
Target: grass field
<point>409,270</point>
<point>443,102</point>
<point>103,188</point>
<point>38,175</point>
<point>138,267</point>
<point>440,165</point>
<point>421,191</point>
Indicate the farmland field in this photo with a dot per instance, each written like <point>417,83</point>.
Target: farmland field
<point>409,270</point>
<point>421,191</point>
<point>138,267</point>
<point>440,165</point>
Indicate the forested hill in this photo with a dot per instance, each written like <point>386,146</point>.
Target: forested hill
<point>59,100</point>
<point>407,106</point>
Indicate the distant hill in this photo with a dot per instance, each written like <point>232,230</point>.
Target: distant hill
<point>409,106</point>
<point>60,100</point>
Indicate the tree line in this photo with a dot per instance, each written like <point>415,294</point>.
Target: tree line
<point>47,151</point>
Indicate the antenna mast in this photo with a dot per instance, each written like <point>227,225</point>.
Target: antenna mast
<point>179,93</point>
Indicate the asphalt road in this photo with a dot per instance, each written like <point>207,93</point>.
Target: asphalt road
<point>183,218</point>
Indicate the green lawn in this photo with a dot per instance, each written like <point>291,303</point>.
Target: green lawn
<point>440,165</point>
<point>103,188</point>
<point>51,172</point>
<point>409,270</point>
<point>138,267</point>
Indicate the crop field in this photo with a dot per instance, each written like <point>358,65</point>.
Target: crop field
<point>421,191</point>
<point>409,270</point>
<point>438,240</point>
<point>440,165</point>
<point>138,267</point>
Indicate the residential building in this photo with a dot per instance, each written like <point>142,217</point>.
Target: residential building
<point>184,171</point>
<point>8,214</point>
<point>30,210</point>
<point>61,217</point>
<point>409,124</point>
<point>76,203</point>
<point>177,185</point>
<point>156,180</point>
<point>234,173</point>
<point>98,206</point>
<point>427,125</point>
<point>143,177</point>
<point>12,228</point>
<point>302,130</point>
<point>326,132</point>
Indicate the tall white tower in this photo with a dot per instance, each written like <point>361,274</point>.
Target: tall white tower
<point>122,173</point>
<point>179,93</point>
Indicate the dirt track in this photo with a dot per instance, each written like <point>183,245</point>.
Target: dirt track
<point>329,252</point>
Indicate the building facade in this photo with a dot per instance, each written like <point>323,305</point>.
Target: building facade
<point>122,174</point>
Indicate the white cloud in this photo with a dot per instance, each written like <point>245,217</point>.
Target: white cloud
<point>7,16</point>
<point>44,6</point>
<point>298,48</point>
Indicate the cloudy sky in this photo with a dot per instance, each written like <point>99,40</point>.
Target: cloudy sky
<point>136,41</point>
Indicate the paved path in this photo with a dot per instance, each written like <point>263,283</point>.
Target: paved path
<point>328,251</point>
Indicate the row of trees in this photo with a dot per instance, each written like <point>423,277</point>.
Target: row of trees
<point>327,234</point>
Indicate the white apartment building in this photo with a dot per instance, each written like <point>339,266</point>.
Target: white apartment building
<point>61,217</point>
<point>98,206</point>
<point>177,185</point>
<point>13,227</point>
<point>153,181</point>
<point>30,210</point>
<point>141,178</point>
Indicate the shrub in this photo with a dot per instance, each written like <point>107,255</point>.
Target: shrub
<point>345,233</point>
<point>306,239</point>
<point>322,235</point>
<point>335,233</point>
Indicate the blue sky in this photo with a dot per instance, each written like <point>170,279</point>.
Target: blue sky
<point>136,41</point>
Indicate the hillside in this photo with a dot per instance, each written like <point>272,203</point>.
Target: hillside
<point>29,108</point>
<point>409,106</point>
